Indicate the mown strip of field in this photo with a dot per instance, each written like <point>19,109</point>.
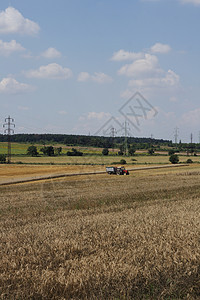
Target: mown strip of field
<point>56,176</point>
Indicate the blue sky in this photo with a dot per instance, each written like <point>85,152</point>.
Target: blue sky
<point>69,66</point>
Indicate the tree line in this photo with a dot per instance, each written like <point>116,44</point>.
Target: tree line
<point>83,140</point>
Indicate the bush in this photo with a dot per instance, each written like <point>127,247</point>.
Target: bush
<point>189,161</point>
<point>131,150</point>
<point>171,152</point>
<point>122,161</point>
<point>105,151</point>
<point>2,158</point>
<point>174,159</point>
<point>120,153</point>
<point>74,152</point>
<point>151,151</point>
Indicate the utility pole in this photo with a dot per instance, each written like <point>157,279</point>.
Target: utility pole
<point>176,136</point>
<point>112,134</point>
<point>125,139</point>
<point>151,140</point>
<point>8,124</point>
<point>192,147</point>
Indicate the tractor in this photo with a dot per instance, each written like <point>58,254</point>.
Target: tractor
<point>117,171</point>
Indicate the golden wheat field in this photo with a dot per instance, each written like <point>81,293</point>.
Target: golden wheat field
<point>102,237</point>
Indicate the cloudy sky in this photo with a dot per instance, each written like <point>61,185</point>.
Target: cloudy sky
<point>73,66</point>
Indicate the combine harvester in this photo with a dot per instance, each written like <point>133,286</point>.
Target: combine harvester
<point>117,171</point>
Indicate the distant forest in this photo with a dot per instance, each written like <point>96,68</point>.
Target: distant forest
<point>82,140</point>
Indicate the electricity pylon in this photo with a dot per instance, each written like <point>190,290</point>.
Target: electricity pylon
<point>9,131</point>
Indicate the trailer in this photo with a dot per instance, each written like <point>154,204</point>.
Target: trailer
<point>111,170</point>
<point>117,171</point>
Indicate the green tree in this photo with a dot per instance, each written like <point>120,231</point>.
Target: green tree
<point>58,151</point>
<point>32,151</point>
<point>105,151</point>
<point>2,158</point>
<point>49,151</point>
<point>131,150</point>
<point>174,159</point>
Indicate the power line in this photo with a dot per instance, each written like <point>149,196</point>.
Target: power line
<point>125,140</point>
<point>191,138</point>
<point>113,131</point>
<point>176,136</point>
<point>9,131</point>
<point>126,134</point>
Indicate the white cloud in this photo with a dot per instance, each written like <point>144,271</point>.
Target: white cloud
<point>141,67</point>
<point>195,2</point>
<point>12,86</point>
<point>12,21</point>
<point>7,48</point>
<point>51,53</point>
<point>146,74</point>
<point>97,77</point>
<point>101,78</point>
<point>123,55</point>
<point>51,71</point>
<point>160,48</point>
<point>167,86</point>
<point>170,79</point>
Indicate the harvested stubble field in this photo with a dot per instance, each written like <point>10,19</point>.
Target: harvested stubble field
<point>20,172</point>
<point>102,237</point>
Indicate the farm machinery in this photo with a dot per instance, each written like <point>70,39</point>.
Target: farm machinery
<point>117,171</point>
